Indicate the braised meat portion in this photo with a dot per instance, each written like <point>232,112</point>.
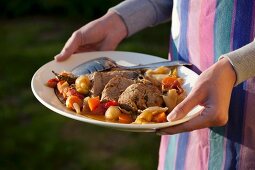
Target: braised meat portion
<point>115,87</point>
<point>100,79</point>
<point>140,96</point>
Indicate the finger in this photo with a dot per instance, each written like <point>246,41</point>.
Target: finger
<point>183,108</point>
<point>70,47</point>
<point>199,122</point>
<point>88,47</point>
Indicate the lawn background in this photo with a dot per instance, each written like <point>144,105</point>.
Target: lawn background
<point>32,136</point>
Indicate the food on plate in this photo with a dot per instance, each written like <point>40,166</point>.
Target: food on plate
<point>152,114</point>
<point>123,96</point>
<point>140,96</point>
<point>112,113</point>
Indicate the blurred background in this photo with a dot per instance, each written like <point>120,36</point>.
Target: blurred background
<point>32,136</point>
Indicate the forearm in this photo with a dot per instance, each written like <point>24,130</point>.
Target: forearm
<point>243,62</point>
<point>139,14</point>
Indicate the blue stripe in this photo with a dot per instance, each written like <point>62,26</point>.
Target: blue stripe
<point>243,23</point>
<point>222,27</point>
<point>173,49</point>
<point>171,150</point>
<point>216,147</point>
<point>235,127</point>
<point>182,150</point>
<point>182,46</point>
<point>183,55</point>
<point>242,36</point>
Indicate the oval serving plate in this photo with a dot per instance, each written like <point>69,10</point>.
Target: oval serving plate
<point>48,98</point>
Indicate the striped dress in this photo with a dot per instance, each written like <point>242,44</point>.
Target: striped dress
<point>203,30</point>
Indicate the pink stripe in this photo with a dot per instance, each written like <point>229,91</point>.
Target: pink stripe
<point>193,31</point>
<point>170,53</point>
<point>247,158</point>
<point>206,36</point>
<point>162,152</point>
<point>197,155</point>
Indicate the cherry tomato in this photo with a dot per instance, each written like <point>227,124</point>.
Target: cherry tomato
<point>52,82</point>
<point>110,103</point>
<point>99,110</point>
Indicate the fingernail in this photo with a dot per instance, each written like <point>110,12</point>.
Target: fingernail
<point>171,117</point>
<point>56,57</point>
<point>59,57</point>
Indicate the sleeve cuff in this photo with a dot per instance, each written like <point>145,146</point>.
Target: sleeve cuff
<point>243,62</point>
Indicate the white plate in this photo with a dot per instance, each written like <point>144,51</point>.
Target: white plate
<point>48,98</point>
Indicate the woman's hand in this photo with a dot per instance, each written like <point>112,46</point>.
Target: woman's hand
<point>213,91</point>
<point>103,34</point>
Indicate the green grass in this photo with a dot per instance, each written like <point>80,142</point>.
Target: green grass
<point>32,136</point>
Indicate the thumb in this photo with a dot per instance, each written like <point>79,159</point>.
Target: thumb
<point>183,108</point>
<point>70,47</point>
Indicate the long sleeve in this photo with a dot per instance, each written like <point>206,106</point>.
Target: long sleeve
<point>243,62</point>
<point>139,14</point>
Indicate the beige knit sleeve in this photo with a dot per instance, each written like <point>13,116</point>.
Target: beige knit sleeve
<point>140,14</point>
<point>243,62</point>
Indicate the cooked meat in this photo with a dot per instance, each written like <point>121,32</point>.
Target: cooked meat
<point>140,96</point>
<point>154,81</point>
<point>100,79</point>
<point>115,87</point>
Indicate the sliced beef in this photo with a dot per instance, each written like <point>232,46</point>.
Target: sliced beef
<point>140,96</point>
<point>115,87</point>
<point>100,79</point>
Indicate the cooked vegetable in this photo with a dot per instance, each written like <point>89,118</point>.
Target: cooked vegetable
<point>65,76</point>
<point>99,110</point>
<point>174,72</point>
<point>93,103</point>
<point>159,70</point>
<point>74,103</point>
<point>155,109</point>
<point>61,85</point>
<point>112,113</point>
<point>52,82</point>
<point>147,114</point>
<point>69,91</point>
<point>171,99</point>
<point>82,84</point>
<point>162,70</point>
<point>144,117</point>
<point>85,106</point>
<point>110,103</point>
<point>159,118</point>
<point>168,81</point>
<point>176,85</point>
<point>159,77</point>
<point>125,118</point>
